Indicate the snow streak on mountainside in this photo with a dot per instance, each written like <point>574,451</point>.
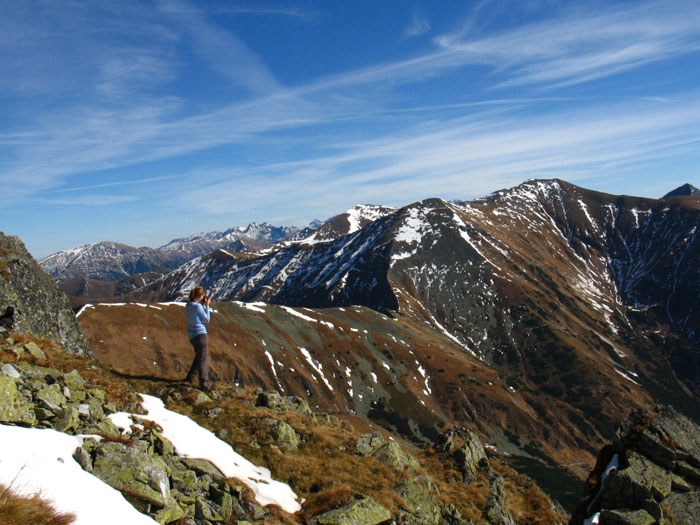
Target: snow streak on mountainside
<point>346,223</point>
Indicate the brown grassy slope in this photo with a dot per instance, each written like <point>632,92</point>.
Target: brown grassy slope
<point>151,341</point>
<point>324,470</point>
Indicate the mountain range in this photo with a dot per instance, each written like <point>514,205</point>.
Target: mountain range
<point>107,269</point>
<point>537,316</point>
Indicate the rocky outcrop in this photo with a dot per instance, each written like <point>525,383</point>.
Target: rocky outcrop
<point>650,473</point>
<point>40,308</point>
<point>467,451</point>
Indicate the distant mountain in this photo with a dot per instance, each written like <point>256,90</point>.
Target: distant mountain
<point>107,261</point>
<point>685,190</point>
<point>111,261</point>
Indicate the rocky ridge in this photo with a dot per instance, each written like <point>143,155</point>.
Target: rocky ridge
<point>649,474</point>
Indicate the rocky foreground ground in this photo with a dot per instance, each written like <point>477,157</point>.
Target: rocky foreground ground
<point>37,390</point>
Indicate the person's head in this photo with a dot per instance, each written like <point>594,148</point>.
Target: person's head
<point>197,294</point>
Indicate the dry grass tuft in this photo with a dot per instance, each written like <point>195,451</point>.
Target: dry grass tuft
<point>123,439</point>
<point>29,510</point>
<point>327,499</point>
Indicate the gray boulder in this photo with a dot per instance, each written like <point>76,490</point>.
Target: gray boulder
<point>393,455</point>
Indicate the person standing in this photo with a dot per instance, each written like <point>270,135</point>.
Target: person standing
<point>198,312</point>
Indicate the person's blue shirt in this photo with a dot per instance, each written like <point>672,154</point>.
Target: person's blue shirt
<point>197,315</point>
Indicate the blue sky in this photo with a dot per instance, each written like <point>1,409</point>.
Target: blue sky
<point>139,121</point>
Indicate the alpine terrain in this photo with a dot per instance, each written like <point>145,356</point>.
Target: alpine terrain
<point>535,318</point>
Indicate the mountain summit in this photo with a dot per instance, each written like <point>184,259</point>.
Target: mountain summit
<point>687,190</point>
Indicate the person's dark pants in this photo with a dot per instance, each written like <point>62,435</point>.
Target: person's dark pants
<point>200,365</point>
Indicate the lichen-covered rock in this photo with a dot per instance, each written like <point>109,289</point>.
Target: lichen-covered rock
<point>41,308</point>
<point>283,433</point>
<point>683,508</point>
<point>363,511</point>
<point>393,455</point>
<point>10,371</point>
<point>626,517</point>
<point>34,350</point>
<point>132,470</point>
<point>83,458</point>
<point>640,481</point>
<point>74,380</point>
<point>205,511</point>
<point>51,398</point>
<point>15,407</point>
<point>68,419</point>
<point>104,427</point>
<point>170,513</point>
<point>368,444</point>
<point>202,466</point>
<point>421,506</point>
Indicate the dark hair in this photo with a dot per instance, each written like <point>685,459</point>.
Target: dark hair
<point>196,293</point>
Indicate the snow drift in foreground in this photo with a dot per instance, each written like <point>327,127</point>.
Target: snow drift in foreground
<point>193,441</point>
<point>40,461</point>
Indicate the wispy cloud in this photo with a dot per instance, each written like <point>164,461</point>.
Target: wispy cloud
<point>112,184</point>
<point>418,27</point>
<point>461,158</point>
<point>562,50</point>
<point>91,200</point>
<point>581,46</point>
<point>287,11</point>
<point>222,49</point>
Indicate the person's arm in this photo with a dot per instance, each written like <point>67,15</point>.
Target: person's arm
<point>205,313</point>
